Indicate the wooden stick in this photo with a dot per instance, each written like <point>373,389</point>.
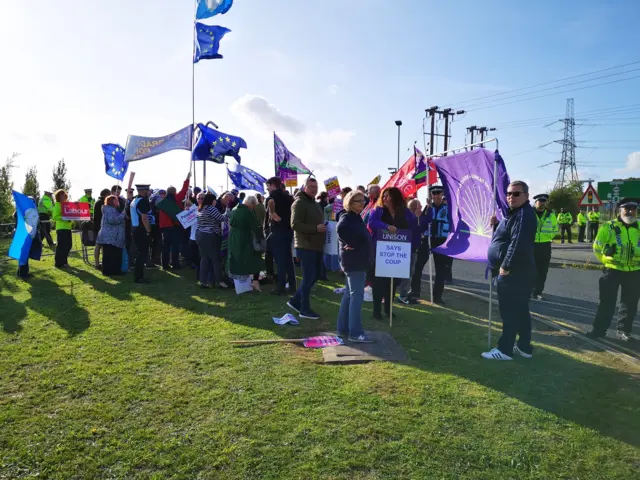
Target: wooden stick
<point>279,340</point>
<point>131,177</point>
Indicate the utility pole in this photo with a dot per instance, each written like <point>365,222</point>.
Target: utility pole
<point>568,171</point>
<point>472,130</point>
<point>448,114</point>
<point>483,131</point>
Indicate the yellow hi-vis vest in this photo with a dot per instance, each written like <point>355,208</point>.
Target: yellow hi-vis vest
<point>582,219</point>
<point>594,217</point>
<point>565,218</point>
<point>617,246</point>
<point>547,227</point>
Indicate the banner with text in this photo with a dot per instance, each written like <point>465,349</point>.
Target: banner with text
<point>188,217</point>
<point>393,254</point>
<point>139,148</point>
<point>333,187</point>
<point>331,239</point>
<point>76,211</point>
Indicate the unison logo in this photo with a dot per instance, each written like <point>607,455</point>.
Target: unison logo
<point>395,237</point>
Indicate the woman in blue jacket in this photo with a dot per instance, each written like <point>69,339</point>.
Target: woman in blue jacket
<point>355,257</point>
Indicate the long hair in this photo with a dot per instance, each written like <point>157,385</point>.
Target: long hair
<point>207,200</point>
<point>59,195</point>
<point>397,199</point>
<point>111,201</point>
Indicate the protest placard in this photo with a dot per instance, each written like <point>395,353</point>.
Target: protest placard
<point>188,217</point>
<point>393,254</point>
<point>337,206</point>
<point>331,239</point>
<point>333,187</point>
<point>76,211</point>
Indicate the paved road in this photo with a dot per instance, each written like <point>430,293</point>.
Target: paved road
<point>571,294</point>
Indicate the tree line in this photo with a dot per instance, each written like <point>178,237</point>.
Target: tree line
<point>31,186</point>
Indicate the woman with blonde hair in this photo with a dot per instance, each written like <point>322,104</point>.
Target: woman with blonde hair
<point>63,230</point>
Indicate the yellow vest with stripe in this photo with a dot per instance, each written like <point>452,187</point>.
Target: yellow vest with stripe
<point>594,217</point>
<point>617,246</point>
<point>547,227</point>
<point>565,218</point>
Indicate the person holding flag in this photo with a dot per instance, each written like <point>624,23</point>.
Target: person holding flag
<point>26,242</point>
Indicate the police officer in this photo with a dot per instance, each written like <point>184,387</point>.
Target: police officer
<point>45,209</point>
<point>434,225</point>
<point>594,223</point>
<point>141,227</point>
<point>87,198</point>
<point>565,219</point>
<point>582,226</point>
<point>617,246</point>
<point>546,231</point>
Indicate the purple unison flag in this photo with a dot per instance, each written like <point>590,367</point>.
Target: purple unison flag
<point>288,177</point>
<point>467,179</point>
<point>420,174</point>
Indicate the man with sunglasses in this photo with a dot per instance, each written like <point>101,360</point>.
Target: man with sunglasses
<point>511,260</point>
<point>617,246</point>
<point>546,230</point>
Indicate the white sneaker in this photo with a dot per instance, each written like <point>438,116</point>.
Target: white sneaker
<point>521,353</point>
<point>368,294</point>
<point>495,354</point>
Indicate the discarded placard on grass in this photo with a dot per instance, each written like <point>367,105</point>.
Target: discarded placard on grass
<point>288,318</point>
<point>311,342</point>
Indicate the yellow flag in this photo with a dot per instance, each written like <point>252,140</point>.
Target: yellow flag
<point>376,180</point>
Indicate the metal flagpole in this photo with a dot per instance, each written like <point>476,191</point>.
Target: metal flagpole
<point>495,208</point>
<point>193,96</point>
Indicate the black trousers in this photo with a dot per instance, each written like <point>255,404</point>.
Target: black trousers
<point>513,299</point>
<point>111,260</point>
<point>382,291</point>
<point>541,257</point>
<point>610,282</point>
<point>45,228</point>
<point>582,229</point>
<point>155,244</point>
<point>563,229</point>
<point>442,268</point>
<point>63,247</point>
<point>593,230</point>
<point>141,240</point>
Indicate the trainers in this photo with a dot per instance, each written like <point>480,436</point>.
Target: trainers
<point>404,300</point>
<point>625,337</point>
<point>293,305</point>
<point>495,354</point>
<point>309,314</point>
<point>539,297</point>
<point>360,339</point>
<point>516,350</point>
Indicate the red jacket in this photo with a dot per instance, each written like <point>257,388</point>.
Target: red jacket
<point>165,219</point>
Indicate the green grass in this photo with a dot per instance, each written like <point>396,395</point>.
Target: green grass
<point>101,378</point>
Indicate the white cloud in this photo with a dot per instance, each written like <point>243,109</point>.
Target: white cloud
<point>633,163</point>
<point>333,89</point>
<point>253,109</point>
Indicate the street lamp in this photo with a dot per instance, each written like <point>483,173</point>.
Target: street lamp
<point>399,124</point>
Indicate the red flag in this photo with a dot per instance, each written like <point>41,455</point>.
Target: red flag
<point>433,174</point>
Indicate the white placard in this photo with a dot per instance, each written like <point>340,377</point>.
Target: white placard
<point>393,254</point>
<point>331,239</point>
<point>188,217</point>
<point>243,285</point>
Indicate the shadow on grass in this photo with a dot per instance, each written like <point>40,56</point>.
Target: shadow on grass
<point>53,302</point>
<point>13,313</point>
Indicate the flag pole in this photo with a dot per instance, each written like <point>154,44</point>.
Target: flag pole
<point>193,96</point>
<point>495,208</point>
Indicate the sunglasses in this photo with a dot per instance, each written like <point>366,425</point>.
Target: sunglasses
<point>514,194</point>
<point>437,193</point>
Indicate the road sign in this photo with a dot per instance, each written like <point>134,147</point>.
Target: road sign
<point>590,198</point>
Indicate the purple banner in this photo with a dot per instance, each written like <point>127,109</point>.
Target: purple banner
<point>468,185</point>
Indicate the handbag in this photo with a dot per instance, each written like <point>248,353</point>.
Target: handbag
<point>259,243</point>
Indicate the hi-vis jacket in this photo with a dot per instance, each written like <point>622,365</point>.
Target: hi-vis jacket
<point>582,219</point>
<point>617,246</point>
<point>45,205</point>
<point>547,227</point>
<point>565,218</point>
<point>90,200</point>
<point>594,217</point>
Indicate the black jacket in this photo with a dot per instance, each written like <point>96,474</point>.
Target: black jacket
<point>352,232</point>
<point>512,243</point>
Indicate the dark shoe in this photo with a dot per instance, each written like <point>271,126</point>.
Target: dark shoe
<point>278,291</point>
<point>377,316</point>
<point>203,286</point>
<point>142,281</point>
<point>439,301</point>
<point>403,300</point>
<point>361,339</point>
<point>342,335</point>
<point>625,337</point>
<point>292,290</point>
<point>293,305</point>
<point>594,335</point>
<point>310,315</point>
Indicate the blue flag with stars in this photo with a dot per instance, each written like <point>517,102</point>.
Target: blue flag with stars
<point>114,164</point>
<point>208,41</point>
<point>209,8</point>
<point>214,145</point>
<point>246,179</point>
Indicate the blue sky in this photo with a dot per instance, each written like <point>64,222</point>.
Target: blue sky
<point>330,77</point>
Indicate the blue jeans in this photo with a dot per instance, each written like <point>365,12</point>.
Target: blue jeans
<point>280,246</point>
<point>311,261</point>
<point>350,314</point>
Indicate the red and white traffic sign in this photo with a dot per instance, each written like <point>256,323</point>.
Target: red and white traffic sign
<point>590,198</point>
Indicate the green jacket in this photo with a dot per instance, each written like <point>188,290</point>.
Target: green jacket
<point>547,227</point>
<point>90,200</point>
<point>56,216</point>
<point>617,246</point>
<point>582,219</point>
<point>594,217</point>
<point>306,215</point>
<point>565,218</point>
<point>243,260</point>
<point>45,205</point>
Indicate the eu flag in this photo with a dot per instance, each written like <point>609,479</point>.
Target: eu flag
<point>208,41</point>
<point>209,8</point>
<point>27,221</point>
<point>114,164</point>
<point>214,145</point>
<point>246,179</point>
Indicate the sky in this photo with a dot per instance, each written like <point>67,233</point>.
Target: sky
<point>330,78</point>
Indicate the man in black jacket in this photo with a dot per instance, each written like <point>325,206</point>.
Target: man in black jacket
<point>511,260</point>
<point>277,228</point>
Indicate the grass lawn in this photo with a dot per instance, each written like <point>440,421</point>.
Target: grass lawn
<point>102,378</point>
